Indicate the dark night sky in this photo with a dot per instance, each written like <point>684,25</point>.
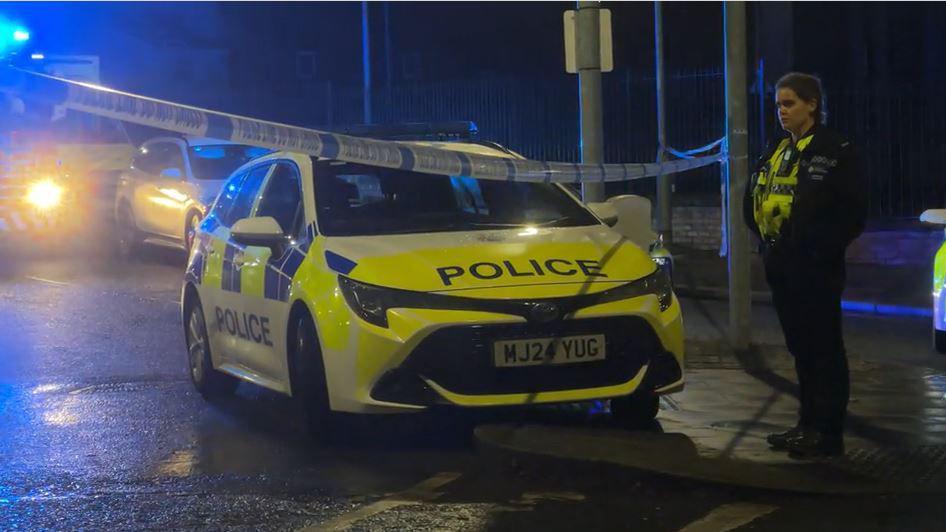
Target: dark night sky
<point>463,38</point>
<point>468,39</point>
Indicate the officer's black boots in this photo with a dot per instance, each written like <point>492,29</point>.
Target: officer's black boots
<point>813,444</point>
<point>779,440</point>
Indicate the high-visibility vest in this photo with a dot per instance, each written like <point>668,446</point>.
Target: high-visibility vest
<point>775,187</point>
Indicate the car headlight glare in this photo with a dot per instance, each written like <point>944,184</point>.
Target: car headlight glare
<point>44,194</point>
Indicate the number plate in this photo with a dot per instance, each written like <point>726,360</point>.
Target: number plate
<point>539,351</point>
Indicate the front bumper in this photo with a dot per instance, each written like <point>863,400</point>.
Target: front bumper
<point>456,364</point>
<point>433,357</point>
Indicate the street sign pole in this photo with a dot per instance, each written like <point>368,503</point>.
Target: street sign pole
<point>664,181</point>
<point>588,52</point>
<point>736,172</point>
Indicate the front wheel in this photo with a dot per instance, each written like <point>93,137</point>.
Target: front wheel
<point>207,380</point>
<point>307,378</point>
<point>126,234</point>
<point>939,341</point>
<point>190,230</point>
<point>635,411</point>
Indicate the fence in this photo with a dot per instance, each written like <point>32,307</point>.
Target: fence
<point>901,130</point>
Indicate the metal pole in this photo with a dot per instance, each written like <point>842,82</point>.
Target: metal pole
<point>588,59</point>
<point>366,61</point>
<point>664,182</point>
<point>736,170</point>
<point>761,88</point>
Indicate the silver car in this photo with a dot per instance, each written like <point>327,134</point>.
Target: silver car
<point>171,182</point>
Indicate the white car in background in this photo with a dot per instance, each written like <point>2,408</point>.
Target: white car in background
<point>171,182</point>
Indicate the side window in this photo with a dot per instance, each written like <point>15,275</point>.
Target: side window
<point>468,195</point>
<point>246,195</point>
<point>148,158</point>
<point>228,195</point>
<point>174,158</point>
<point>139,160</point>
<point>158,156</point>
<point>283,199</point>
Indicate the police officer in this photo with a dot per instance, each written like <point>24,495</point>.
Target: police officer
<point>806,201</point>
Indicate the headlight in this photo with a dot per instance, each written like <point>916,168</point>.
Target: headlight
<point>44,194</point>
<point>665,264</point>
<point>661,256</point>
<point>369,302</point>
<point>663,288</point>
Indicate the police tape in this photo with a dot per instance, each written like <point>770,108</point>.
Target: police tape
<point>188,120</point>
<point>691,154</point>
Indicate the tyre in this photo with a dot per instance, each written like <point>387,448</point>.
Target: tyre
<point>207,380</point>
<point>127,239</point>
<point>939,341</point>
<point>635,411</point>
<point>190,230</point>
<point>307,379</point>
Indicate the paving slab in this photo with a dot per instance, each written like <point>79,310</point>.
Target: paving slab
<point>715,430</point>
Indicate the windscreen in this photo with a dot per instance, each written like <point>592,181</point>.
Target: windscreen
<point>214,162</point>
<point>358,200</point>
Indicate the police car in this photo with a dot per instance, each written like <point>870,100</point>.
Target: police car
<point>938,216</point>
<point>364,289</point>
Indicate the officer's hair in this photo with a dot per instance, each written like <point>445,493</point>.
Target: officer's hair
<point>808,88</point>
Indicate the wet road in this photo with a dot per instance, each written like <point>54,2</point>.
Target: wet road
<point>101,429</point>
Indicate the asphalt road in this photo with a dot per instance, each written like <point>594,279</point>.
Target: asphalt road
<point>101,429</point>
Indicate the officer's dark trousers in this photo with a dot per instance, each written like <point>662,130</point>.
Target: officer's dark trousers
<point>807,298</point>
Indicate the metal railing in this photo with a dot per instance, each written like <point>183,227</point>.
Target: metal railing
<point>901,130</point>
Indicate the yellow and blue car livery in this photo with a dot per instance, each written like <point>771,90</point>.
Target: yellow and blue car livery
<point>418,309</point>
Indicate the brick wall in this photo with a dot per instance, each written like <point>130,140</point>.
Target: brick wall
<point>699,227</point>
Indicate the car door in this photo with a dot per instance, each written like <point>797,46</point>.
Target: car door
<point>160,191</point>
<point>265,278</point>
<point>173,190</point>
<point>221,286</point>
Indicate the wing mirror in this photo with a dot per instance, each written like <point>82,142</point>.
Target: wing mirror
<point>263,231</point>
<point>634,219</point>
<point>605,211</point>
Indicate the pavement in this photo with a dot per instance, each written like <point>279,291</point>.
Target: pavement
<point>714,430</point>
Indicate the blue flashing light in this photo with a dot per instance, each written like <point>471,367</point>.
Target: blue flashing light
<point>885,310</point>
<point>21,35</point>
<point>38,57</point>
<point>858,306</point>
<point>902,310</point>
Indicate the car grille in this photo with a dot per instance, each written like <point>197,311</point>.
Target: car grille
<point>460,358</point>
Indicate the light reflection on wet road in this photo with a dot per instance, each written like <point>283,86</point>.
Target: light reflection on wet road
<point>95,401</point>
